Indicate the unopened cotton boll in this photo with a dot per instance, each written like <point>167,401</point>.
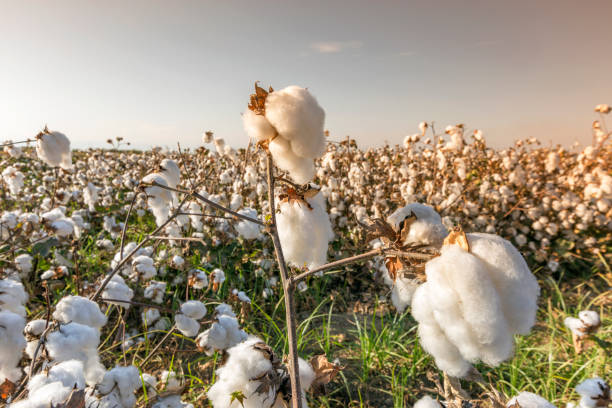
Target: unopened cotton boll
<point>54,149</point>
<point>474,302</point>
<point>427,229</point>
<point>427,402</point>
<point>529,400</point>
<point>80,310</point>
<point>304,232</point>
<point>12,344</point>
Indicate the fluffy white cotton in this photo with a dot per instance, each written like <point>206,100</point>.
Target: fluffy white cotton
<point>122,381</point>
<point>54,149</point>
<point>12,344</point>
<point>427,229</point>
<point>80,310</point>
<point>187,325</point>
<point>74,341</point>
<point>473,303</point>
<point>117,289</point>
<point>257,126</point>
<point>23,263</point>
<point>171,172</point>
<point>529,400</point>
<point>90,196</point>
<point>224,333</point>
<point>593,393</point>
<point>427,402</point>
<point>158,198</point>
<point>300,169</point>
<point>304,232</point>
<point>171,401</point>
<point>155,291</point>
<point>143,266</point>
<point>13,178</point>
<point>194,309</point>
<point>248,229</point>
<point>13,297</point>
<point>587,322</point>
<point>70,373</point>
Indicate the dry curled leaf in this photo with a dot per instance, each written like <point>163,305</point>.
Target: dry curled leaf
<point>324,372</point>
<point>379,228</point>
<point>258,100</point>
<point>457,237</point>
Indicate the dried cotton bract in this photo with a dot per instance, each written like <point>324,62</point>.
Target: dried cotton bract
<point>474,302</point>
<point>304,231</point>
<point>292,121</point>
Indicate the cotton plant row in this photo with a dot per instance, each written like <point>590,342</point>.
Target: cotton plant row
<point>465,314</point>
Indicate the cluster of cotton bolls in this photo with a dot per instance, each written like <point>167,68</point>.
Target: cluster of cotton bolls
<point>225,332</point>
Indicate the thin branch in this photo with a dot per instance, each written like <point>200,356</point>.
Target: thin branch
<point>14,143</point>
<point>335,264</point>
<point>166,238</point>
<point>125,224</point>
<point>143,362</point>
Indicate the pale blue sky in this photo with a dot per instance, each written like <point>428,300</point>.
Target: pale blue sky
<point>158,72</point>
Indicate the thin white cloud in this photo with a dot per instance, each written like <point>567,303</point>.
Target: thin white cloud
<point>331,47</point>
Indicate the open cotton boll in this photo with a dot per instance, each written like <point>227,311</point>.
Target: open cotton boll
<point>257,126</point>
<point>80,310</point>
<point>427,229</point>
<point>474,302</point>
<point>194,309</point>
<point>594,392</point>
<point>171,401</point>
<point>220,146</point>
<point>186,325</point>
<point>23,263</point>
<point>62,227</point>
<point>143,266</point>
<point>304,232</point>
<point>74,341</point>
<point>171,172</point>
<point>248,229</point>
<point>122,381</point>
<point>300,169</point>
<point>402,291</point>
<point>13,179</point>
<point>13,297</point>
<point>224,333</point>
<point>427,402</point>
<point>155,291</point>
<point>12,344</point>
<point>49,395</point>
<point>298,118</point>
<point>117,289</point>
<point>54,149</point>
<point>588,322</point>
<point>90,196</point>
<point>69,373</point>
<point>529,400</point>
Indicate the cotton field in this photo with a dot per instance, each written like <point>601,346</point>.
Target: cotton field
<point>299,270</point>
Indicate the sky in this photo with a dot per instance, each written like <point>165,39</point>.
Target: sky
<point>161,72</point>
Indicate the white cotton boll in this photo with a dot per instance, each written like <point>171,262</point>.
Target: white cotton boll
<point>426,229</point>
<point>155,291</point>
<point>118,290</point>
<point>220,146</point>
<point>178,261</point>
<point>74,341</point>
<point>144,267</point>
<point>529,400</point>
<point>54,149</point>
<point>590,318</point>
<point>236,202</point>
<point>90,196</point>
<point>171,401</point>
<point>48,395</point>
<point>194,309</point>
<point>427,402</point>
<point>257,127</point>
<point>472,303</point>
<point>12,344</point>
<point>13,179</point>
<point>248,229</point>
<point>80,310</point>
<point>588,321</point>
<point>402,291</point>
<point>23,263</point>
<point>186,325</point>
<point>62,227</point>
<point>198,279</point>
<point>69,373</point>
<point>218,276</point>
<point>123,381</point>
<point>150,315</point>
<point>298,118</point>
<point>225,309</point>
<point>13,297</point>
<point>300,169</point>
<point>304,232</point>
<point>171,172</point>
<point>592,392</point>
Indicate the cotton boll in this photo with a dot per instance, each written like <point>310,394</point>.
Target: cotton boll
<point>473,302</point>
<point>171,172</point>
<point>155,291</point>
<point>593,393</point>
<point>69,373</point>
<point>298,118</point>
<point>186,325</point>
<point>426,229</point>
<point>401,293</point>
<point>48,395</point>
<point>194,309</point>
<point>54,149</point>
<point>170,381</point>
<point>300,169</point>
<point>304,232</point>
<point>13,179</point>
<point>12,344</point>
<point>149,316</point>
<point>257,127</point>
<point>23,263</point>
<point>588,322</point>
<point>79,310</point>
<point>427,402</point>
<point>118,290</point>
<point>144,267</point>
<point>122,381</point>
<point>529,400</point>
<point>248,229</point>
<point>171,401</point>
<point>220,146</point>
<point>12,297</point>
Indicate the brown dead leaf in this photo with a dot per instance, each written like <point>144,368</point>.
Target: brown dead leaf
<point>457,237</point>
<point>258,100</point>
<point>379,228</point>
<point>394,265</point>
<point>324,372</point>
